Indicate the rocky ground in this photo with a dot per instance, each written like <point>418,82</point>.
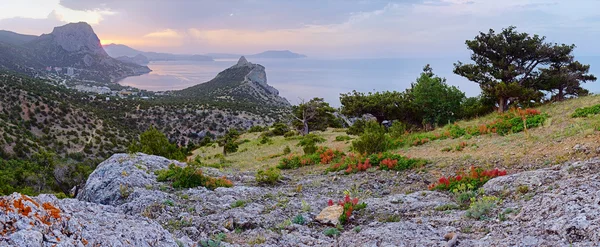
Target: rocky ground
<point>122,204</point>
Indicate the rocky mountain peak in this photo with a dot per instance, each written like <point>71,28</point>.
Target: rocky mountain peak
<point>242,62</point>
<point>76,37</point>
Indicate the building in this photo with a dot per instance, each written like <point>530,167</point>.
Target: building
<point>57,69</point>
<point>70,71</point>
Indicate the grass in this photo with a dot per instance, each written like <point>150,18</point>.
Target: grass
<point>543,146</point>
<point>266,155</point>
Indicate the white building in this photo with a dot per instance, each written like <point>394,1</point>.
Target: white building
<point>70,71</point>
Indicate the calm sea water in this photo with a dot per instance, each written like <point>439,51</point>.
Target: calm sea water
<point>308,78</point>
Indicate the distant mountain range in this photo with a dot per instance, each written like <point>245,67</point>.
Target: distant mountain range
<point>73,45</point>
<point>122,51</point>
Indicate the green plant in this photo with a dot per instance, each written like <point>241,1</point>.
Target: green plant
<point>305,206</point>
<point>279,129</point>
<point>299,219</point>
<point>309,143</point>
<point>287,150</point>
<point>331,232</point>
<point>523,189</point>
<point>586,111</point>
<point>342,138</point>
<point>481,208</point>
<point>125,190</point>
<point>190,176</point>
<point>463,194</point>
<point>265,140</point>
<point>446,207</point>
<point>269,176</point>
<point>397,130</point>
<point>372,140</point>
<point>152,141</point>
<point>357,128</point>
<point>238,204</point>
<point>357,229</point>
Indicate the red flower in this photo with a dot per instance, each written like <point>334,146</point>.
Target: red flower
<point>458,178</point>
<point>355,201</point>
<point>347,198</point>
<point>330,202</point>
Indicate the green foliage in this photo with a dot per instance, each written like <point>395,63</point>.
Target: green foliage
<point>397,129</point>
<point>332,232</point>
<point>297,161</point>
<point>357,128</point>
<point>383,105</point>
<point>229,141</point>
<point>342,138</point>
<point>309,143</point>
<point>287,150</point>
<point>315,114</point>
<point>396,162</point>
<point>299,219</point>
<point>269,176</point>
<point>154,142</point>
<point>482,207</point>
<point>586,111</point>
<point>279,129</point>
<point>463,194</point>
<point>372,140</point>
<point>257,128</point>
<point>265,140</point>
<point>435,102</point>
<point>514,78</point>
<point>238,204</point>
<point>473,107</point>
<point>190,176</point>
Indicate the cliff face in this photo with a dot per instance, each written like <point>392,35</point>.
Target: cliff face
<point>73,45</point>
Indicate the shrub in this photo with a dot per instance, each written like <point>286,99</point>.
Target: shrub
<point>238,204</point>
<point>309,143</point>
<point>350,205</point>
<point>389,161</point>
<point>257,128</point>
<point>357,128</point>
<point>290,134</point>
<point>279,129</point>
<point>475,178</point>
<point>481,208</point>
<point>342,138</point>
<point>265,140</point>
<point>372,140</point>
<point>299,219</point>
<point>154,142</point>
<point>296,161</point>
<point>397,129</point>
<point>287,150</point>
<point>190,176</point>
<point>586,111</point>
<point>331,232</point>
<point>269,176</point>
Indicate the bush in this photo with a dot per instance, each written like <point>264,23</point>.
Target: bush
<point>279,129</point>
<point>331,232</point>
<point>481,208</point>
<point>257,128</point>
<point>397,129</point>
<point>287,150</point>
<point>342,138</point>
<point>396,162</point>
<point>265,140</point>
<point>475,178</point>
<point>299,219</point>
<point>357,128</point>
<point>269,176</point>
<point>372,140</point>
<point>289,134</point>
<point>350,205</point>
<point>154,142</point>
<point>297,161</point>
<point>309,143</point>
<point>586,111</point>
<point>190,176</point>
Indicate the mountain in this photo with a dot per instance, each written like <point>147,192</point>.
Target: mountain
<point>12,38</point>
<point>73,45</point>
<point>138,59</point>
<point>277,54</point>
<point>244,83</point>
<point>117,50</point>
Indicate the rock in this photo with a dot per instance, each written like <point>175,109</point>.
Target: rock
<point>120,176</point>
<point>330,215</point>
<point>511,183</point>
<point>579,148</point>
<point>45,221</point>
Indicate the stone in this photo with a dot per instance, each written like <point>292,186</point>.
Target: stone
<point>330,215</point>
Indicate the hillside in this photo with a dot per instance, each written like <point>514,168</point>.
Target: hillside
<point>73,45</point>
<point>118,50</point>
<point>546,200</point>
<point>244,83</point>
<point>37,115</point>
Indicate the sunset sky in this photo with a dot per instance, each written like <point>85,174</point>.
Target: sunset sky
<point>318,28</point>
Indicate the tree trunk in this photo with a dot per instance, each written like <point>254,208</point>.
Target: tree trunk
<point>305,122</point>
<point>502,104</point>
<point>560,95</point>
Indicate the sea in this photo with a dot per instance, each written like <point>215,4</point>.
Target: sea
<point>304,79</point>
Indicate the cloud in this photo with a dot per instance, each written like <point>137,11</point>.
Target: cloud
<point>167,33</point>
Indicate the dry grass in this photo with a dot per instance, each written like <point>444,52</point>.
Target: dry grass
<point>252,155</point>
<point>548,145</point>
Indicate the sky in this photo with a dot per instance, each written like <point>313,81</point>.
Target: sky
<point>317,28</point>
